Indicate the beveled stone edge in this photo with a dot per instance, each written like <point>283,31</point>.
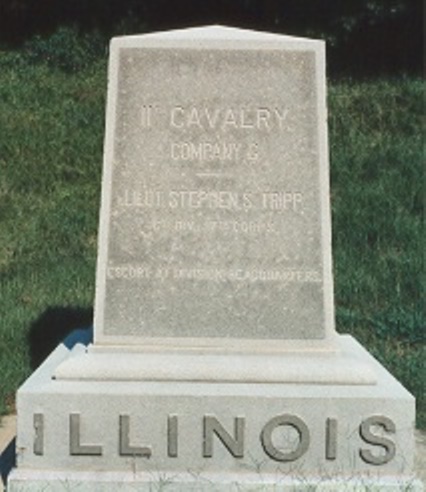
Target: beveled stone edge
<point>211,33</point>
<point>346,366</point>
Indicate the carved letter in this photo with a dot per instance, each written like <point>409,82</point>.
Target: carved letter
<point>281,420</point>
<point>331,439</point>
<point>389,446</point>
<point>212,117</point>
<point>194,118</point>
<point>230,120</point>
<point>263,117</point>
<point>235,445</point>
<point>172,436</point>
<point>281,116</point>
<point>177,112</point>
<point>125,448</point>
<point>77,449</point>
<point>146,116</point>
<point>38,421</point>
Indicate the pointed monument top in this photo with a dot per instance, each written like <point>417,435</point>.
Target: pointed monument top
<point>215,34</point>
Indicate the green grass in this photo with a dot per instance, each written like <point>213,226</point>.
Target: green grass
<point>378,204</point>
<point>51,139</point>
<point>50,169</point>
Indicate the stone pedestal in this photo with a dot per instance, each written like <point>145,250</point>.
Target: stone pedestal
<point>147,434</point>
<point>215,363</point>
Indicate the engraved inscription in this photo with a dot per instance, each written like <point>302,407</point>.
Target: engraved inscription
<point>205,151</point>
<point>214,198</point>
<point>283,438</point>
<point>217,199</point>
<point>223,119</point>
<point>129,272</point>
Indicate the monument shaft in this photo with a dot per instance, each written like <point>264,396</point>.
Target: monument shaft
<point>215,194</point>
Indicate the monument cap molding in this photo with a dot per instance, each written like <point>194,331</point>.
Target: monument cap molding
<point>214,33</point>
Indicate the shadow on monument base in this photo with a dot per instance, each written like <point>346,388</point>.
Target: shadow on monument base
<point>52,327</point>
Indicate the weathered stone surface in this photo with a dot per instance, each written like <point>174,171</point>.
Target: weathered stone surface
<point>204,436</point>
<point>215,219</point>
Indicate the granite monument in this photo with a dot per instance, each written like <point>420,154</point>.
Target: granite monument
<point>215,363</point>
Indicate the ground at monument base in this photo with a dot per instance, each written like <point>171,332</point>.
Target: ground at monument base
<point>36,481</point>
<point>182,436</point>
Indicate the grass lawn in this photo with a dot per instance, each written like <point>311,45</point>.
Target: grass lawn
<point>51,140</point>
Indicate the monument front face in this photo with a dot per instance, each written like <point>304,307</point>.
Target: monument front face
<point>215,221</point>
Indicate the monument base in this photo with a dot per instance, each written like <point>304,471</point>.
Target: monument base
<point>180,435</point>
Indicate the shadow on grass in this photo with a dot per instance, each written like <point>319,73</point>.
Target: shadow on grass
<point>7,460</point>
<point>55,324</point>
